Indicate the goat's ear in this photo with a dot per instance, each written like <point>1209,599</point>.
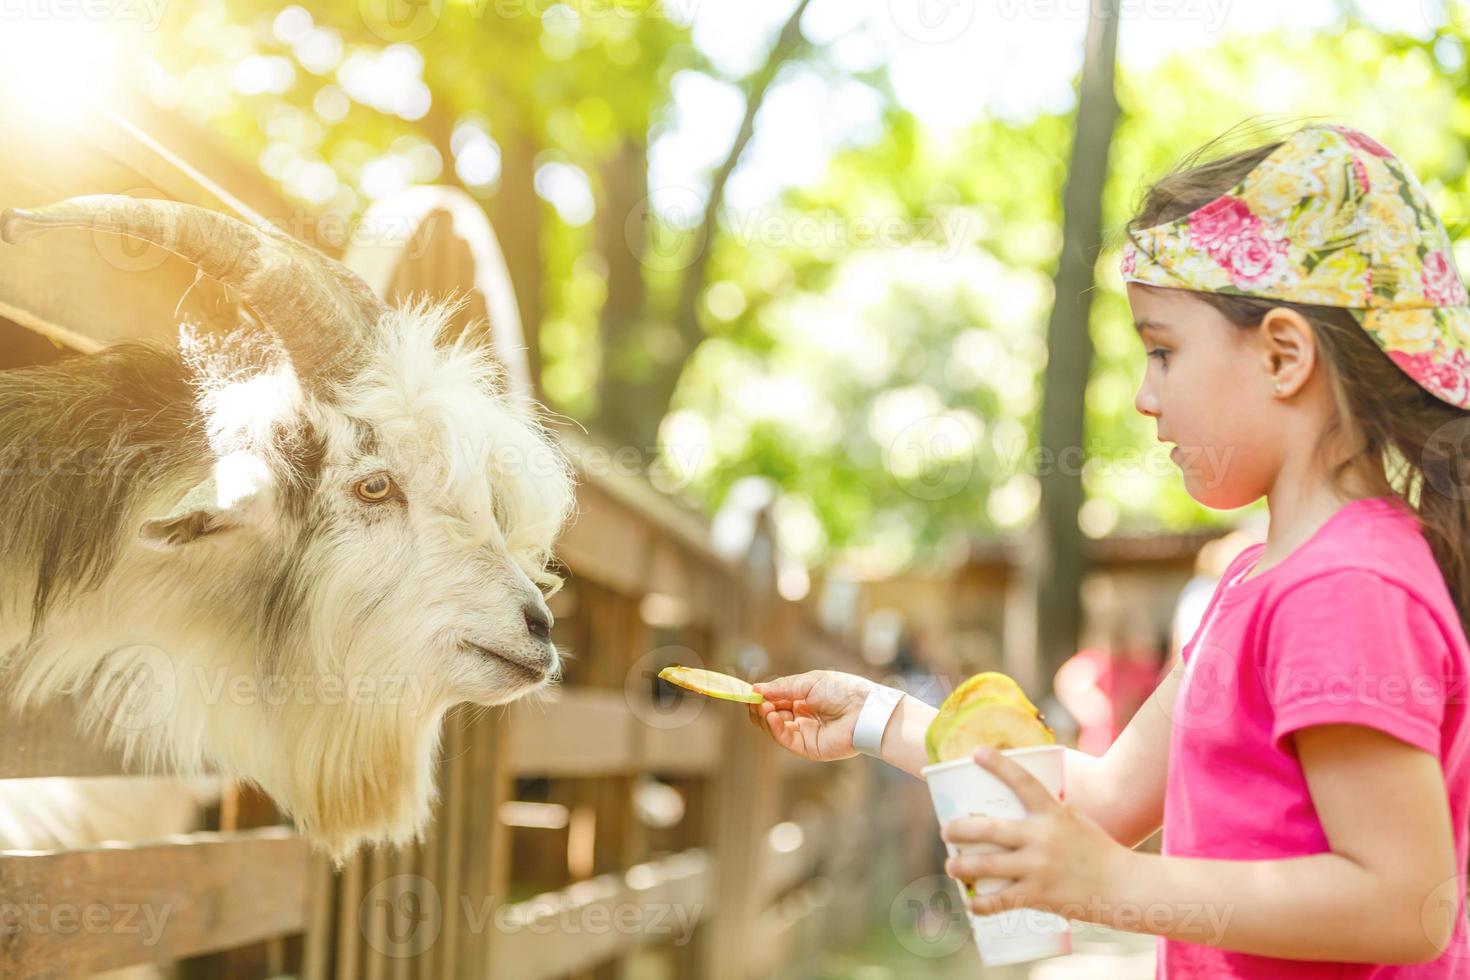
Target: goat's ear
<point>218,503</point>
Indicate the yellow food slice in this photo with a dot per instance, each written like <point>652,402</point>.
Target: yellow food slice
<point>989,687</point>
<point>999,725</point>
<point>712,684</point>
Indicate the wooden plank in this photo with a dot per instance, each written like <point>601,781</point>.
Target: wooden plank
<point>585,732</point>
<point>99,908</point>
<point>691,749</point>
<point>778,933</point>
<point>47,742</point>
<point>437,240</point>
<point>316,948</point>
<point>132,289</point>
<point>603,917</point>
<point>373,914</point>
<point>782,871</point>
<point>485,841</point>
<point>349,932</point>
<point>606,543</point>
<point>457,766</point>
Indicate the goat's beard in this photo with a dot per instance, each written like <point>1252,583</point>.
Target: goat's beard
<point>350,773</point>
<point>350,758</point>
<point>360,776</point>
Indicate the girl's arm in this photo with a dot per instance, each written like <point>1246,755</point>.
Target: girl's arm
<point>1386,892</point>
<point>1122,791</point>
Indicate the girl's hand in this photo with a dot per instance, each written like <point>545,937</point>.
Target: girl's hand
<point>812,714</point>
<point>1060,859</point>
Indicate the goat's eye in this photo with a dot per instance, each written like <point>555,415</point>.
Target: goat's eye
<point>375,489</point>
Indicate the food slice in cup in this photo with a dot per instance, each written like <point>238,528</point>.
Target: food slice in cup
<point>999,725</point>
<point>987,709</point>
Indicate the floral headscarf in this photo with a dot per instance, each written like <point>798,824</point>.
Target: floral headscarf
<point>1330,218</point>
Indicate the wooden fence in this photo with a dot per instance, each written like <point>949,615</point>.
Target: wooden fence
<point>612,832</point>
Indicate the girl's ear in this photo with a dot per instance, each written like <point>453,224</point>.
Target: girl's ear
<point>1289,348</point>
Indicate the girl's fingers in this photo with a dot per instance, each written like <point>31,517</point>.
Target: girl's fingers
<point>975,829</point>
<point>969,867</point>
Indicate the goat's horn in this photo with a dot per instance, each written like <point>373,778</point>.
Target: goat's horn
<point>321,312</point>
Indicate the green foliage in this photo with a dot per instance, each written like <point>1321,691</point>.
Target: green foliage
<point>875,339</point>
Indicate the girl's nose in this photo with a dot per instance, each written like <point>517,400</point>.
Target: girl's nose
<point>1145,401</point>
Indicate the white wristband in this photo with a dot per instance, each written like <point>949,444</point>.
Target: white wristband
<point>867,736</point>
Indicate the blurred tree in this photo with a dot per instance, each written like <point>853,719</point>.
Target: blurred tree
<point>1056,560</point>
<point>884,371</point>
<point>635,384</point>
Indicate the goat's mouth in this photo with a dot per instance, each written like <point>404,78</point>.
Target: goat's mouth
<point>531,673</point>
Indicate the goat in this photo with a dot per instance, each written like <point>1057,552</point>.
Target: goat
<point>282,552</point>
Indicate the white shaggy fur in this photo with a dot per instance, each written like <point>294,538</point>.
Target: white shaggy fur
<point>278,627</point>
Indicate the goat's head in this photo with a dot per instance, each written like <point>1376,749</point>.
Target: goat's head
<point>375,509</point>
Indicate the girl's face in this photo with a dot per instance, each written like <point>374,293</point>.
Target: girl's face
<point>1208,388</point>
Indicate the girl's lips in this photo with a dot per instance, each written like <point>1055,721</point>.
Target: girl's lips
<point>1174,454</point>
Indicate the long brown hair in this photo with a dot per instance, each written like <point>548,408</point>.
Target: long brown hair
<point>1395,436</point>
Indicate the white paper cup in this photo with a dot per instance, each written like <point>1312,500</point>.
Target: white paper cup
<point>962,788</point>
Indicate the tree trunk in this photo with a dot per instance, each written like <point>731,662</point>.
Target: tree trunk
<point>638,417</point>
<point>515,211</point>
<point>1057,562</point>
<point>625,367</point>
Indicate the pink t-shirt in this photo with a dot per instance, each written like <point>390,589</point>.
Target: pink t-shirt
<point>1356,626</point>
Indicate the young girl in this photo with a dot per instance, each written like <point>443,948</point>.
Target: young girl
<point>1308,752</point>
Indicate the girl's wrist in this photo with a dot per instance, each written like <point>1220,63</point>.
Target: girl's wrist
<point>903,739</point>
<point>874,716</point>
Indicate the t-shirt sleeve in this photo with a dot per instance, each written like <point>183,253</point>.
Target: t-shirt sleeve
<point>1351,647</point>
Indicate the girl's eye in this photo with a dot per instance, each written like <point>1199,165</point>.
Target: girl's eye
<point>375,489</point>
<point>1162,355</point>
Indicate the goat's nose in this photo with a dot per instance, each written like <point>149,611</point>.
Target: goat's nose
<point>538,620</point>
